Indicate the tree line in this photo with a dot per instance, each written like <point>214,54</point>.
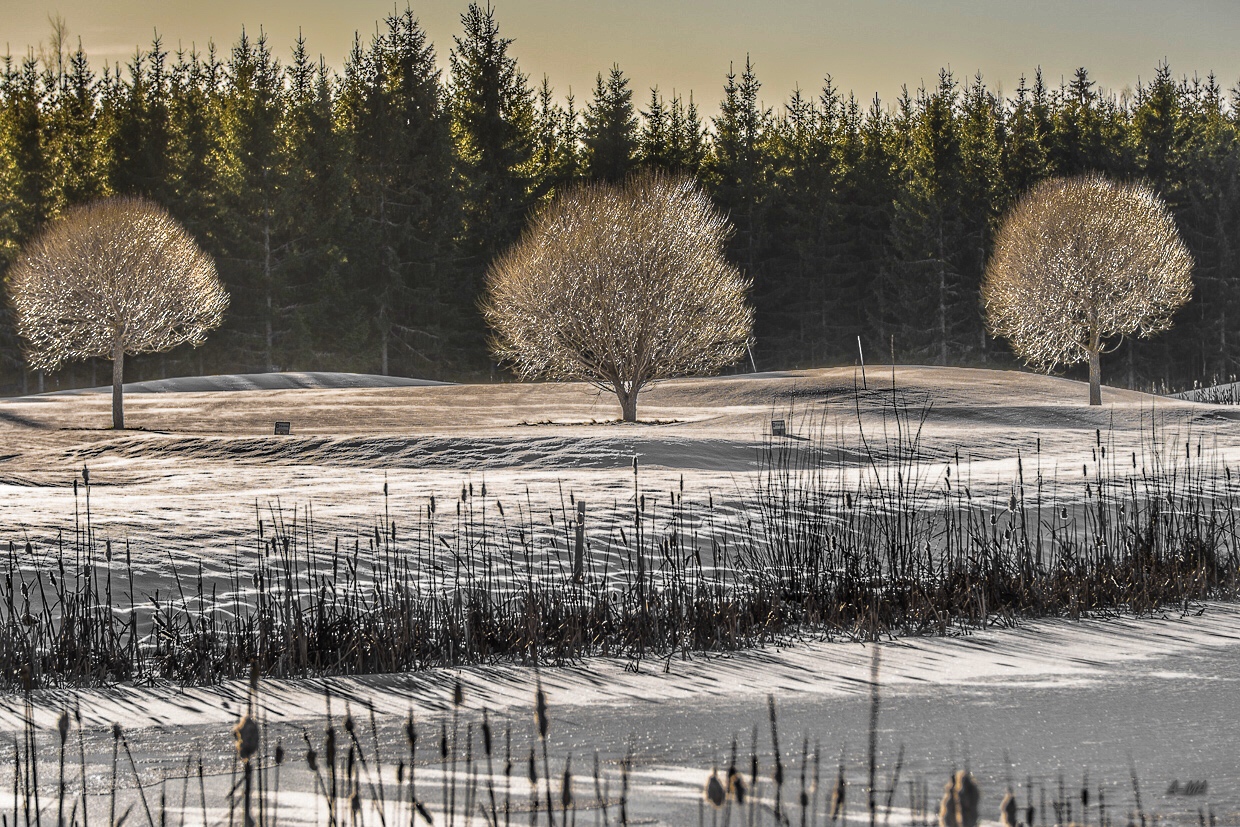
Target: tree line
<point>352,214</point>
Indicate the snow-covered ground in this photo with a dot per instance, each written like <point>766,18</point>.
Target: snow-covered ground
<point>205,468</point>
<point>1157,694</point>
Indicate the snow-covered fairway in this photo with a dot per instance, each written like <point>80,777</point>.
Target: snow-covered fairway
<point>205,467</point>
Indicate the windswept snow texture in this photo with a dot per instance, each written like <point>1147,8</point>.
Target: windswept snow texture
<point>201,468</point>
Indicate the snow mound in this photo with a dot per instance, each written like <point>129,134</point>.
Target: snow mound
<point>316,380</point>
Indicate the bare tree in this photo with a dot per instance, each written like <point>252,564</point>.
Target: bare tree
<point>1078,264</point>
<point>112,277</point>
<point>620,285</point>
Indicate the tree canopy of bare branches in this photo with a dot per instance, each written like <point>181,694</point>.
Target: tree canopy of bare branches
<point>620,285</point>
<point>112,277</point>
<point>1078,264</point>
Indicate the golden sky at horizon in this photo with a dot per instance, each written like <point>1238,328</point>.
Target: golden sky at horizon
<point>868,47</point>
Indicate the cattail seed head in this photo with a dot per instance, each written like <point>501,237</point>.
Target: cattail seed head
<point>541,712</point>
<point>714,790</point>
<point>116,732</point>
<point>246,735</point>
<point>960,800</point>
<point>837,797</point>
<point>1007,810</point>
<point>967,796</point>
<point>279,756</point>
<point>533,769</point>
<point>566,787</point>
<point>458,694</point>
<point>312,760</point>
<point>736,787</point>
<point>62,726</point>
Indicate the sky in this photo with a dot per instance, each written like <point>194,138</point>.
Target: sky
<point>867,46</point>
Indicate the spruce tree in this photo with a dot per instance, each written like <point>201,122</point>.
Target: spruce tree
<point>195,98</point>
<point>932,306</point>
<point>316,178</point>
<point>139,130</point>
<point>688,143</point>
<point>1024,159</point>
<point>610,135</point>
<point>492,107</point>
<point>557,157</point>
<point>251,206</point>
<point>738,171</point>
<point>405,202</point>
<point>75,142</point>
<point>30,173</point>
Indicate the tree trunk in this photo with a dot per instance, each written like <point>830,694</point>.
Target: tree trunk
<point>383,344</point>
<point>628,404</point>
<point>269,331</point>
<point>942,314</point>
<point>1095,376</point>
<point>1132,365</point>
<point>118,391</point>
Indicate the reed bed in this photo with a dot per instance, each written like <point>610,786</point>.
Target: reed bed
<point>886,537</point>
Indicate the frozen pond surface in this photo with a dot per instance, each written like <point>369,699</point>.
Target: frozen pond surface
<point>1098,698</point>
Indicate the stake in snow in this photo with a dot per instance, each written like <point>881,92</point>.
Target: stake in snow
<point>620,285</point>
<point>112,277</point>
<point>1080,263</point>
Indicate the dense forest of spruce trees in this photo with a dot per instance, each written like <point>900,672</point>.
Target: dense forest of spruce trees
<point>352,213</point>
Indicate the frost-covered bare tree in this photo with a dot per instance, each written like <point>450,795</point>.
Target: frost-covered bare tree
<point>1078,264</point>
<point>112,277</point>
<point>620,285</point>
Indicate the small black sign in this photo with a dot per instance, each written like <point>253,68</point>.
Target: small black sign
<point>777,428</point>
<point>284,428</point>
